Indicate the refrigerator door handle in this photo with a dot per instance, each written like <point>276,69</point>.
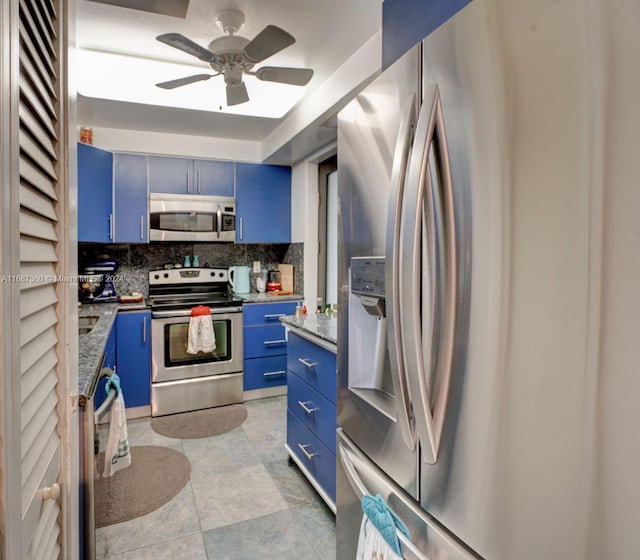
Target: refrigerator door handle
<point>392,270</point>
<point>421,526</point>
<point>432,353</point>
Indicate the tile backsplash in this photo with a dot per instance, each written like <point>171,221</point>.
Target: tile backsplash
<point>135,261</point>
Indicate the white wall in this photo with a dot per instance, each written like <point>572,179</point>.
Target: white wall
<point>122,140</point>
<point>357,71</point>
<point>304,223</point>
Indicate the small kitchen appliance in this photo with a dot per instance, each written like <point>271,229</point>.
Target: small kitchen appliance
<point>239,279</point>
<point>273,281</point>
<point>96,282</point>
<point>192,217</point>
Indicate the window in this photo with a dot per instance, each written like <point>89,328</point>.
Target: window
<point>328,231</point>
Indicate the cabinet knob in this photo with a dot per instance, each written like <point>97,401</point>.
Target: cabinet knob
<point>51,492</point>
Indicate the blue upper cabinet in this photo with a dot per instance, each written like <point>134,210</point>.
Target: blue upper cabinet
<point>95,211</point>
<point>263,203</point>
<point>191,176</point>
<point>130,196</point>
<point>171,175</point>
<point>133,353</point>
<point>216,178</point>
<point>406,22</point>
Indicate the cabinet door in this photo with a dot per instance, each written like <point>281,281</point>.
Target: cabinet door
<point>215,178</point>
<point>170,175</point>
<point>406,22</point>
<point>130,196</point>
<point>95,214</point>
<point>133,352</point>
<point>263,203</point>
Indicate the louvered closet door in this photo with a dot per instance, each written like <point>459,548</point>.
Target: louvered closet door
<point>39,376</point>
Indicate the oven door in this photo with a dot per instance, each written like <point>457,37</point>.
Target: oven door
<point>180,217</point>
<point>169,337</point>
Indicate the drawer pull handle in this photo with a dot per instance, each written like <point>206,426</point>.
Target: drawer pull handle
<point>272,342</point>
<point>304,407</point>
<point>274,316</point>
<point>303,448</point>
<point>274,373</point>
<point>307,363</point>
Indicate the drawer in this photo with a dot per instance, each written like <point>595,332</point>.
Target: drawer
<point>312,409</point>
<point>313,454</point>
<point>265,372</point>
<point>268,340</point>
<point>313,364</point>
<point>267,313</point>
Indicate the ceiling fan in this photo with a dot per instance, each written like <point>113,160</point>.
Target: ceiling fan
<point>233,56</point>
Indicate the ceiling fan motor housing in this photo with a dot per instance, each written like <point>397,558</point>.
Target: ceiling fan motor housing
<point>229,58</point>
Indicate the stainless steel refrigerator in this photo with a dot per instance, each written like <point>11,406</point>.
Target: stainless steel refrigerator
<point>471,176</point>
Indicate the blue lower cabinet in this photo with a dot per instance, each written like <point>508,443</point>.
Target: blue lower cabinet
<point>265,340</point>
<point>133,352</point>
<point>316,457</point>
<point>313,364</point>
<point>260,373</point>
<point>313,410</point>
<point>267,313</point>
<point>265,344</point>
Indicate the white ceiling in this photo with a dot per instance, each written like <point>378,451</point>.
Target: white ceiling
<point>327,33</point>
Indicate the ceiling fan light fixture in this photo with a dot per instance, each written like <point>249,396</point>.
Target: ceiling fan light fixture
<point>230,21</point>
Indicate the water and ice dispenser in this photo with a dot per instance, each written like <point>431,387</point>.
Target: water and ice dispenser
<point>369,370</point>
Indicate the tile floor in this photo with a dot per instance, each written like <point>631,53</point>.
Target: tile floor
<point>243,500</point>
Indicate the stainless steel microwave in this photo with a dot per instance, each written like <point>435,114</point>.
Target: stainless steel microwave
<point>185,217</point>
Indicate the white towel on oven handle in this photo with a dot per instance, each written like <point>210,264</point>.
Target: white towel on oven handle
<point>202,337</point>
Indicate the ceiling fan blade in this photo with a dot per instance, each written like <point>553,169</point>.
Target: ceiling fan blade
<point>293,76</point>
<point>237,95</point>
<point>183,44</point>
<point>184,81</point>
<point>269,41</point>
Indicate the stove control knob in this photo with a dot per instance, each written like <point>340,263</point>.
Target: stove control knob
<point>166,275</point>
<point>156,276</point>
<point>220,274</point>
<point>212,273</point>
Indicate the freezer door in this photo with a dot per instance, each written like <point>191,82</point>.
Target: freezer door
<point>356,476</point>
<point>375,134</point>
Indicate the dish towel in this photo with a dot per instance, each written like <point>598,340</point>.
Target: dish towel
<point>202,338</point>
<point>117,455</point>
<point>378,539</point>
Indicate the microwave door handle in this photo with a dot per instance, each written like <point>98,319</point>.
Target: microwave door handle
<point>392,270</point>
<point>219,221</point>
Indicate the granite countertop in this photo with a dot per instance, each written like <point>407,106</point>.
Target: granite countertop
<point>324,327</point>
<point>264,297</point>
<point>91,345</point>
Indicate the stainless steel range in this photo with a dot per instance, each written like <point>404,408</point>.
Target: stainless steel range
<point>180,381</point>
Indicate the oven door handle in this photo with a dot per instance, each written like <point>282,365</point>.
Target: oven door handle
<point>187,312</point>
